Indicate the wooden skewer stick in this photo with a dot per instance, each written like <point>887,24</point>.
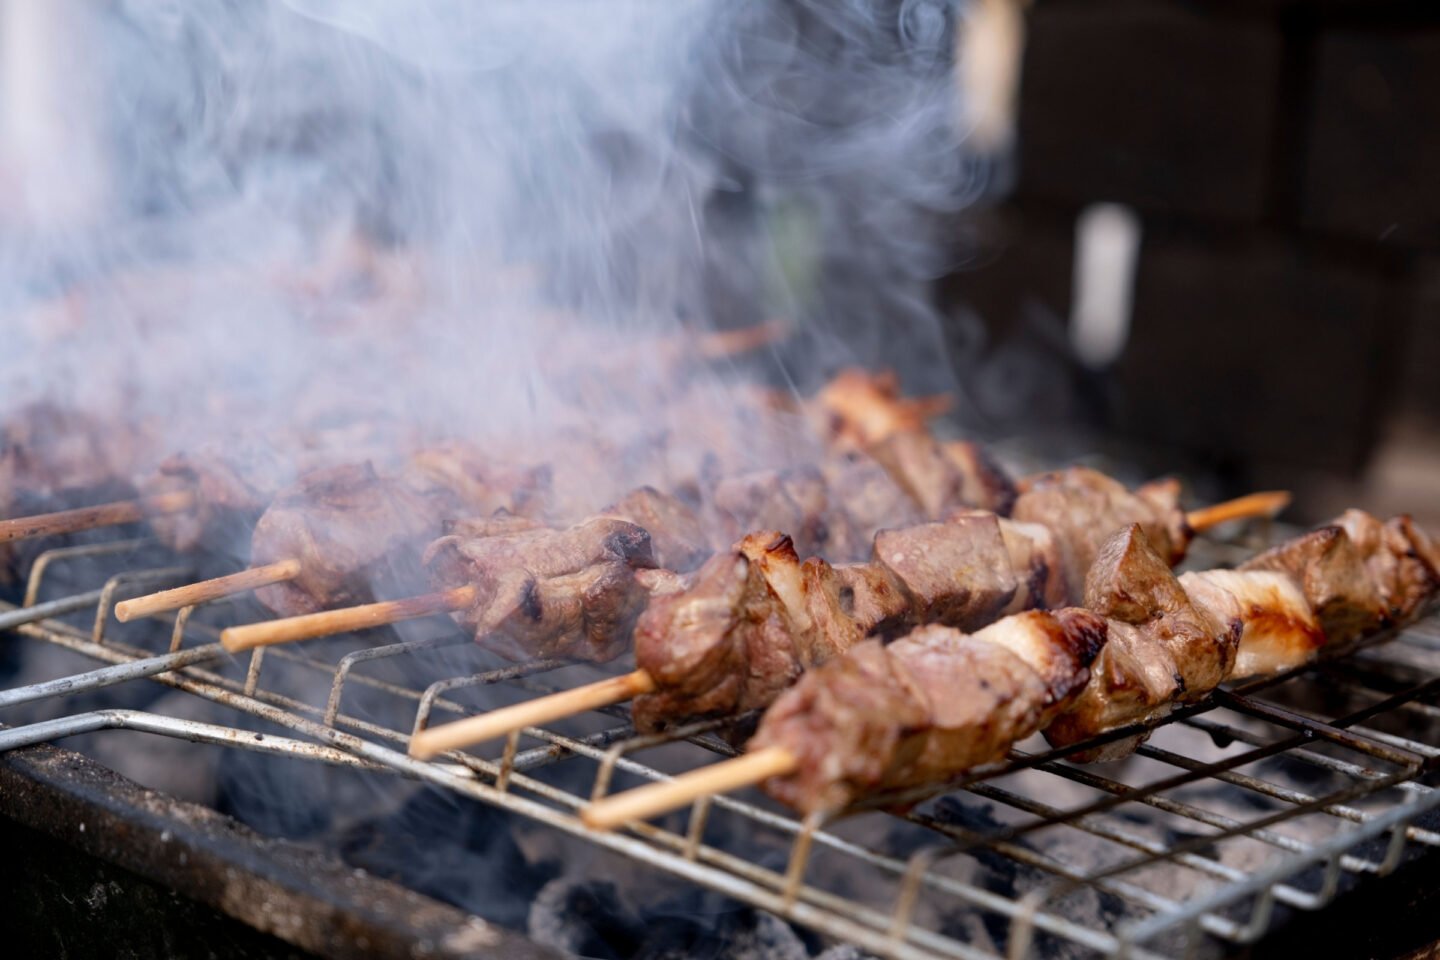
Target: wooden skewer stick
<point>102,515</point>
<point>724,343</point>
<point>657,798</point>
<point>1265,504</point>
<point>207,590</point>
<point>532,713</point>
<point>327,622</point>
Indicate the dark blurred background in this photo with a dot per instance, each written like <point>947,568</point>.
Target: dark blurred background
<point>1280,164</point>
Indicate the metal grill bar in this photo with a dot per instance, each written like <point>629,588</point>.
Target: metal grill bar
<point>1361,763</point>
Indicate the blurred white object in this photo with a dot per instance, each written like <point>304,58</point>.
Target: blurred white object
<point>991,46</point>
<point>52,158</point>
<point>1107,246</point>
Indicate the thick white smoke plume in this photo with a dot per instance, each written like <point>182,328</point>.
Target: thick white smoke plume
<point>491,219</point>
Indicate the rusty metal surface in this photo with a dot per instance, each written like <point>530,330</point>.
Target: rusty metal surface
<point>297,895</point>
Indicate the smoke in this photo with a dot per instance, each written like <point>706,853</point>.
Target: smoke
<point>493,220</point>
<point>250,213</point>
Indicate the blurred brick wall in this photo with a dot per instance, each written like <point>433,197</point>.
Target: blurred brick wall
<point>1284,158</point>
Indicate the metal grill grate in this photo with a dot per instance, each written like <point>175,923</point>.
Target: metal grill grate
<point>1273,793</point>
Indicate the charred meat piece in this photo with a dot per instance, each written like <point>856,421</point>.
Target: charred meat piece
<point>357,536</point>
<point>676,533</point>
<point>549,593</point>
<point>957,573</point>
<point>1174,641</point>
<point>1083,507</point>
<point>1163,649</point>
<point>926,708</point>
<point>46,450</point>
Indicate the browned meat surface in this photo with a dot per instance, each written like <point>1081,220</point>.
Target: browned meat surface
<point>1395,556</point>
<point>927,708</point>
<point>1083,507</point>
<point>1163,650</point>
<point>984,483</point>
<point>356,535</point>
<point>468,483</point>
<point>676,532</point>
<point>873,501</point>
<point>232,488</point>
<point>943,477</point>
<point>857,408</point>
<point>46,449</point>
<point>795,500</point>
<point>1332,574</point>
<point>755,617</point>
<point>730,642</point>
<point>957,573</point>
<point>548,593</point>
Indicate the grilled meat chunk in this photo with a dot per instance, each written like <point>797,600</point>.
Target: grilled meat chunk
<point>1401,561</point>
<point>357,536</point>
<point>232,488</point>
<point>869,498</point>
<point>941,477</point>
<point>1163,650</point>
<point>926,708</point>
<point>756,618</point>
<point>677,535</point>
<point>727,644</point>
<point>1083,507</point>
<point>957,573</point>
<point>796,500</point>
<point>467,482</point>
<point>1332,574</point>
<point>548,593</point>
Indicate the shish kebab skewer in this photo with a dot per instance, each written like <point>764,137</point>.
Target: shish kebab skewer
<point>956,471</point>
<point>488,559</point>
<point>755,617</point>
<point>937,703</point>
<point>185,489</point>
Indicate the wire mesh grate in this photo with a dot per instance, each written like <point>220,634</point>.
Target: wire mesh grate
<point>1277,793</point>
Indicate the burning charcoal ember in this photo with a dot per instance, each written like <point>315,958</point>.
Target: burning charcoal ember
<point>585,918</point>
<point>1083,507</point>
<point>548,593</point>
<point>925,708</point>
